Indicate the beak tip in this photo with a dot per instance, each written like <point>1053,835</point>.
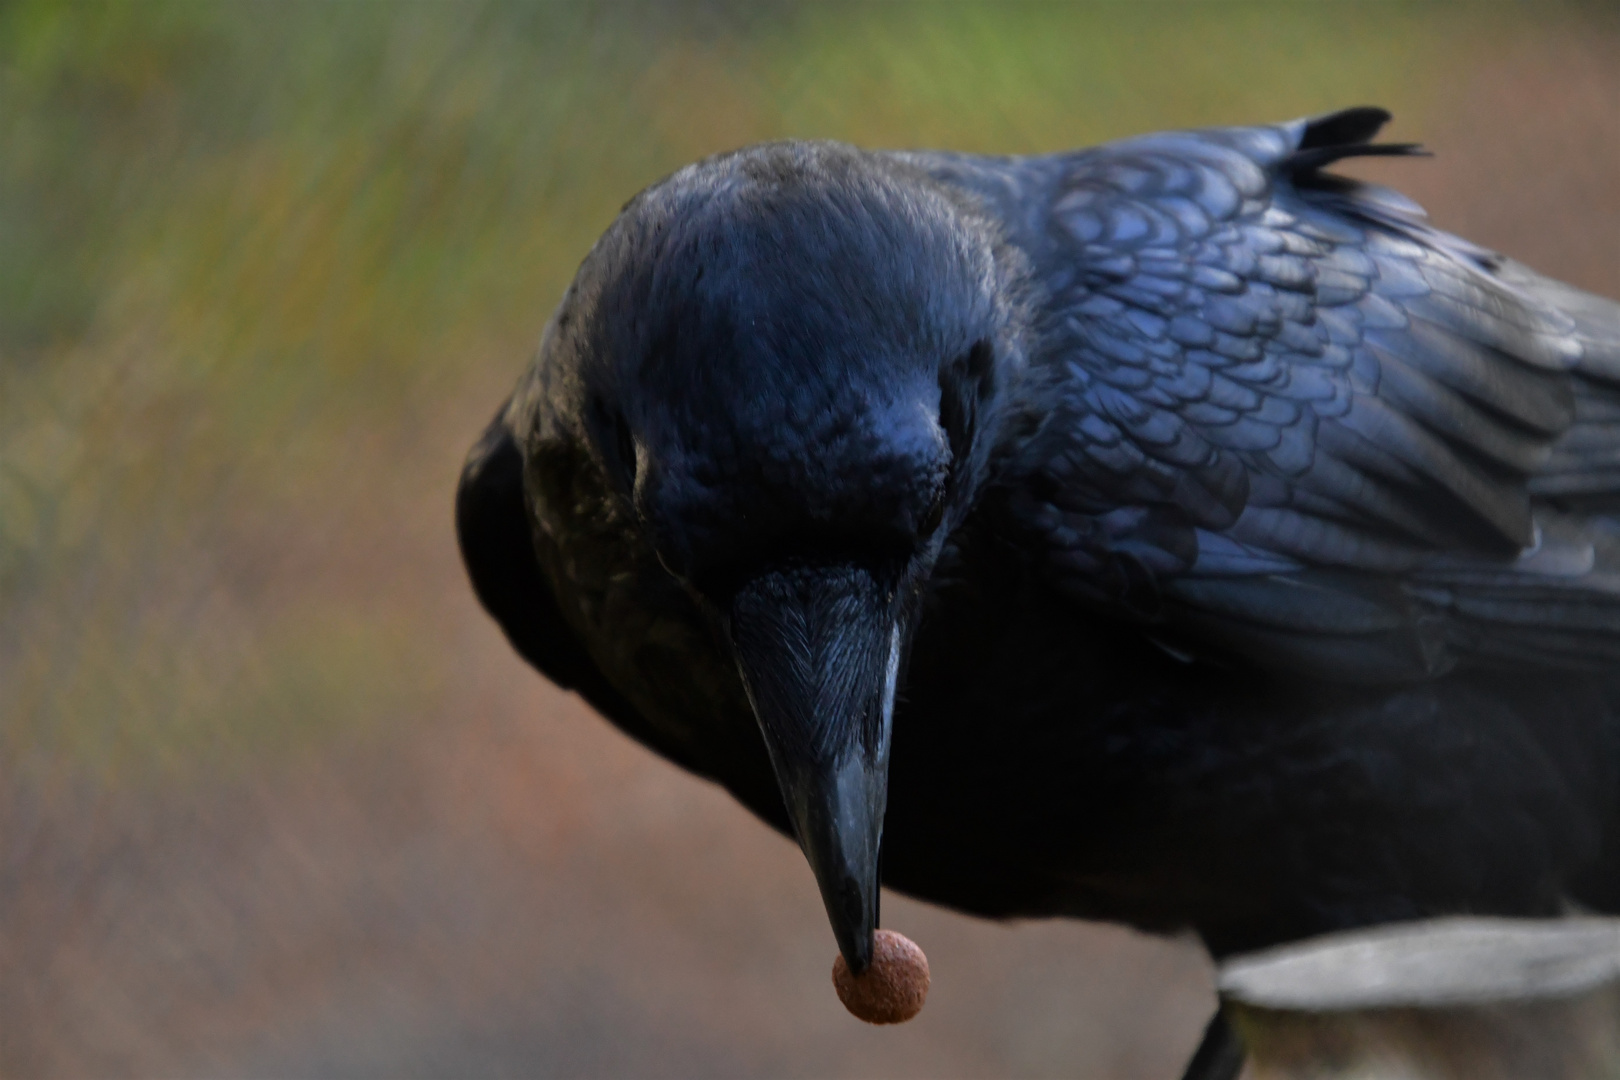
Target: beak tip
<point>857,952</point>
<point>853,913</point>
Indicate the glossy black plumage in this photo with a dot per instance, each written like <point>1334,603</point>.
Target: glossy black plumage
<point>1251,544</point>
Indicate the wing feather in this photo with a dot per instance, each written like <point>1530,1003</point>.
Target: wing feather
<point>1286,416</point>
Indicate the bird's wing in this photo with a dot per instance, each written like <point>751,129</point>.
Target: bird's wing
<point>495,530</point>
<point>1285,416</point>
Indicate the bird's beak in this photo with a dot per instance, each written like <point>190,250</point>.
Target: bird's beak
<point>819,652</point>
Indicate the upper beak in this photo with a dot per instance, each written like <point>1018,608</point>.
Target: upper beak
<point>819,652</point>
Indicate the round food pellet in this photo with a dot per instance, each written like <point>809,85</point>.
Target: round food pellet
<point>893,989</point>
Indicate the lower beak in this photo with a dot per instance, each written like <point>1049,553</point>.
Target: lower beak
<point>819,651</point>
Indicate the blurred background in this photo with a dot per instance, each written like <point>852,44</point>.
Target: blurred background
<point>275,797</point>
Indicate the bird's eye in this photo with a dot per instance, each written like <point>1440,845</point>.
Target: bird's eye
<point>964,385</point>
<point>617,445</point>
<point>627,452</point>
<point>936,513</point>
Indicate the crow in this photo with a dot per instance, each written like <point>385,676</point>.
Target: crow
<point>1170,532</point>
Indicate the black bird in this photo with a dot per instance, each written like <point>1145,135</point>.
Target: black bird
<point>1169,532</point>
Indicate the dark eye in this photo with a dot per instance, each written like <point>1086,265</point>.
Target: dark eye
<point>964,384</point>
<point>936,514</point>
<point>617,445</point>
<point>627,452</point>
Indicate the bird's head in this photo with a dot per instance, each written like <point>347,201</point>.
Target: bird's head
<point>788,362</point>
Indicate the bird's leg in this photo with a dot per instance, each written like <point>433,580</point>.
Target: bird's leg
<point>1219,1055</point>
